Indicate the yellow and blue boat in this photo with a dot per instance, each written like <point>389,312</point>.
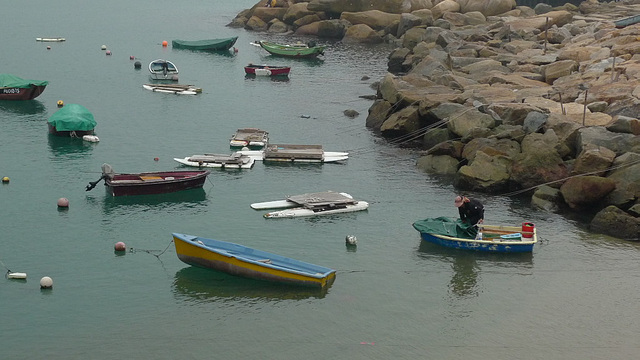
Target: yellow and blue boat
<point>251,263</point>
<point>454,234</point>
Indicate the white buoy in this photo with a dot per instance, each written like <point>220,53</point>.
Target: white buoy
<point>46,283</point>
<point>16,275</point>
<point>351,240</point>
<point>90,138</point>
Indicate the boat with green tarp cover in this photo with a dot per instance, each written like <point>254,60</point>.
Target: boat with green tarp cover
<point>453,233</point>
<point>210,44</point>
<point>295,50</point>
<point>72,120</point>
<point>16,88</point>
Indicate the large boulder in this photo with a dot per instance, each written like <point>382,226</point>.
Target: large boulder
<point>334,28</point>
<point>361,33</point>
<point>340,6</point>
<point>594,160</point>
<point>625,171</point>
<point>586,191</point>
<point>462,122</point>
<point>486,173</point>
<point>599,136</point>
<point>486,7</point>
<point>400,123</point>
<point>295,12</point>
<point>438,164</point>
<point>378,113</point>
<point>538,163</point>
<point>375,19</point>
<point>615,222</point>
<point>444,6</point>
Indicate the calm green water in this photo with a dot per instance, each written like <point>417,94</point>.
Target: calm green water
<point>395,297</point>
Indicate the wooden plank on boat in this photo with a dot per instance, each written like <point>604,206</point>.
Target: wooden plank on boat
<point>292,152</point>
<point>320,199</point>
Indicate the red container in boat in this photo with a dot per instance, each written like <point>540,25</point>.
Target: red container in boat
<point>527,229</point>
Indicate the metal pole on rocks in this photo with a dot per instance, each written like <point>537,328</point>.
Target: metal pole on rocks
<point>613,68</point>
<point>584,110</point>
<point>546,31</point>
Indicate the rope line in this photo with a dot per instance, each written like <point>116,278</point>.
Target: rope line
<point>133,250</point>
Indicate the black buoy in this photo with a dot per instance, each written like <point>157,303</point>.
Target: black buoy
<point>137,65</point>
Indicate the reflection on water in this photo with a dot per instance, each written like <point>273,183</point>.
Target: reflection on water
<point>467,266</point>
<point>204,285</point>
<point>225,53</point>
<point>26,107</point>
<point>165,203</point>
<point>272,78</point>
<point>64,146</point>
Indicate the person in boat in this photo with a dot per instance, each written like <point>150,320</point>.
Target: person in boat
<point>471,210</point>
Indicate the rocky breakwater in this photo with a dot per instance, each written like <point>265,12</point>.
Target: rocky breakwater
<point>503,98</point>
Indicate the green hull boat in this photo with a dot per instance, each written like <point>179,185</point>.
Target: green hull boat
<point>211,44</point>
<point>296,50</point>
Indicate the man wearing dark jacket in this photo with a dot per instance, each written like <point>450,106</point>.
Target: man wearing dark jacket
<point>471,211</point>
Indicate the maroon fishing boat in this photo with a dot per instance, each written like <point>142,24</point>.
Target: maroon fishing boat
<point>267,70</point>
<point>16,88</point>
<point>148,183</point>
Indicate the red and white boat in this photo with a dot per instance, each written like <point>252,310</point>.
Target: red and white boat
<point>267,70</point>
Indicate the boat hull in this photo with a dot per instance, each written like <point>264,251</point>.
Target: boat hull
<point>266,70</point>
<point>250,263</point>
<point>205,45</point>
<point>168,89</point>
<point>498,244</point>
<point>248,164</point>
<point>155,182</point>
<point>163,70</point>
<point>302,212</point>
<point>71,133</point>
<point>15,93</point>
<point>294,51</point>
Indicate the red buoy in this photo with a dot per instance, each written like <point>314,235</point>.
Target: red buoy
<point>120,246</point>
<point>63,202</point>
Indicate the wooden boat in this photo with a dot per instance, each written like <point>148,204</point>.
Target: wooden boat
<point>252,138</point>
<point>251,263</point>
<point>620,23</point>
<point>295,50</point>
<point>163,70</point>
<point>15,88</point>
<point>296,153</point>
<point>54,39</point>
<point>495,238</point>
<point>311,204</point>
<point>267,70</point>
<point>148,183</point>
<point>207,45</point>
<point>173,89</point>
<point>72,120</point>
<point>233,161</point>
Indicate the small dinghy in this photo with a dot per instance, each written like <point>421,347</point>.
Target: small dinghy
<point>163,70</point>
<point>173,89</point>
<point>233,161</point>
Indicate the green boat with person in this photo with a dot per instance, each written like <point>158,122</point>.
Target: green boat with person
<point>298,50</point>
<point>206,45</point>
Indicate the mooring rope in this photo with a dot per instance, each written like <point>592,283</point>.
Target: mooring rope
<point>132,250</point>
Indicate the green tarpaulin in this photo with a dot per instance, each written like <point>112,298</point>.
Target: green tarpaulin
<point>73,117</point>
<point>8,80</point>
<point>446,226</point>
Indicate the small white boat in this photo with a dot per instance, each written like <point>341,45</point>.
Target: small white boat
<point>173,89</point>
<point>57,39</point>
<point>296,153</point>
<point>233,161</point>
<point>322,203</point>
<point>163,70</point>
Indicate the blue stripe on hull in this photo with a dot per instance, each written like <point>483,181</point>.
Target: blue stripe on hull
<point>506,247</point>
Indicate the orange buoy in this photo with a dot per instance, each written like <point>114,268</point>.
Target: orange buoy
<point>165,43</point>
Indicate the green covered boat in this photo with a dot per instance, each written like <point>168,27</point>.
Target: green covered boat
<point>295,50</point>
<point>72,120</point>
<point>210,45</point>
<point>17,88</point>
